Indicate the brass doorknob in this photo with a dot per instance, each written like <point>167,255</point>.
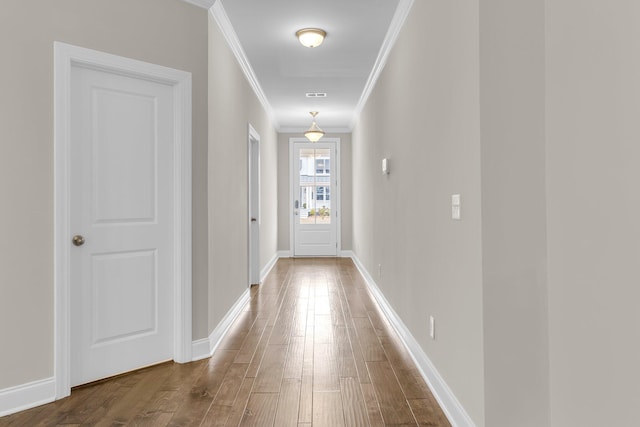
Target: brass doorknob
<point>78,240</point>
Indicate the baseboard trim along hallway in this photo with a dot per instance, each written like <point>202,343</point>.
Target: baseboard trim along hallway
<point>205,347</point>
<point>453,409</point>
<point>26,396</point>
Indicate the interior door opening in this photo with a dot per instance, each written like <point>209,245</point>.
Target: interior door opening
<point>254,206</point>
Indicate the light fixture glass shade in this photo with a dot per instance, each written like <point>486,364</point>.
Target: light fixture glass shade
<point>311,37</point>
<point>314,133</point>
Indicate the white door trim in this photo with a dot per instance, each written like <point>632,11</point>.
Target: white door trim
<point>66,56</point>
<point>254,264</point>
<point>292,217</point>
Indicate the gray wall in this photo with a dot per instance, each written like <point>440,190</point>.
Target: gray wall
<point>552,311</point>
<point>232,106</point>
<point>284,178</point>
<point>167,32</point>
<point>512,94</point>
<point>423,115</point>
<point>593,158</point>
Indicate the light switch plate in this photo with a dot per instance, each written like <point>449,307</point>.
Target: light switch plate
<point>385,166</point>
<point>455,206</point>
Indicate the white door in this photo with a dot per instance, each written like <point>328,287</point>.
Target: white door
<point>254,207</point>
<point>121,200</point>
<point>315,192</point>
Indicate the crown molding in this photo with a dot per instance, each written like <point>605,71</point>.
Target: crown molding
<point>402,11</point>
<point>205,4</point>
<point>220,16</point>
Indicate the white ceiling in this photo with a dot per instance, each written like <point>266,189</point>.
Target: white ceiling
<point>285,70</point>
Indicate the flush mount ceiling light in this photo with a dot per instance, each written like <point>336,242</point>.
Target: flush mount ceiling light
<point>311,37</point>
<point>314,133</point>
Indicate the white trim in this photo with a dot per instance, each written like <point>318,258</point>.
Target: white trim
<point>338,205</point>
<point>452,408</point>
<point>205,4</point>
<point>26,396</point>
<point>346,254</point>
<point>285,254</point>
<point>220,16</point>
<point>201,349</point>
<point>400,16</point>
<point>205,347</point>
<point>65,56</point>
<point>267,268</point>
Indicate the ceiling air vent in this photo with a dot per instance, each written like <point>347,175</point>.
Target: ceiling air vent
<point>316,94</point>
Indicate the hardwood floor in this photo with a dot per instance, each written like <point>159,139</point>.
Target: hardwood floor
<point>311,349</point>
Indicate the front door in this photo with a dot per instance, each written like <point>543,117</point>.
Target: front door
<point>315,198</point>
<point>122,207</point>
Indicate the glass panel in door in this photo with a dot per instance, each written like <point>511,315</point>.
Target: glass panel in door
<point>315,186</point>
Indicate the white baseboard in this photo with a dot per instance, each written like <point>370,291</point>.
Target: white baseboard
<point>203,348</point>
<point>284,254</point>
<point>287,254</point>
<point>26,396</point>
<point>267,268</point>
<point>452,408</point>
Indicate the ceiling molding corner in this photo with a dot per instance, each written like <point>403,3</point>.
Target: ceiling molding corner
<point>220,16</point>
<point>205,4</point>
<point>399,17</point>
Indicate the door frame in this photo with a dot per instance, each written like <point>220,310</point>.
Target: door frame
<point>292,216</point>
<point>65,57</point>
<point>253,194</point>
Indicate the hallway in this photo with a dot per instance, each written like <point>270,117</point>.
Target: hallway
<point>311,349</point>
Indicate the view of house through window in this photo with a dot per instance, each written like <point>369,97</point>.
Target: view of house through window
<point>315,186</point>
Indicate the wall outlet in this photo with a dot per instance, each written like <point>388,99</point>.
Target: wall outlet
<point>379,271</point>
<point>432,327</point>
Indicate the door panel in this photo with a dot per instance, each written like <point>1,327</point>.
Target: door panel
<point>122,203</point>
<point>124,186</point>
<point>315,186</point>
<point>127,281</point>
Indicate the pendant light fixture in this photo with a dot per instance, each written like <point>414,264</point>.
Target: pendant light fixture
<point>311,37</point>
<point>314,133</point>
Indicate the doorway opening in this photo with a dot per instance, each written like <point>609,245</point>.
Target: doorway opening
<point>254,206</point>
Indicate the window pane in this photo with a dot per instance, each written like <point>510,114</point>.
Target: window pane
<point>315,179</point>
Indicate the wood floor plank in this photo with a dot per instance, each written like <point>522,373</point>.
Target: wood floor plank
<point>371,403</point>
<point>238,408</point>
<point>270,372</point>
<point>428,413</point>
<point>195,407</point>
<point>258,354</point>
<point>231,384</point>
<point>355,412</point>
<point>248,349</point>
<point>393,404</point>
<point>217,416</point>
<point>295,358</point>
<point>305,411</point>
<point>260,410</point>
<point>327,409</point>
<point>325,369</point>
<point>370,345</point>
<point>288,403</point>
